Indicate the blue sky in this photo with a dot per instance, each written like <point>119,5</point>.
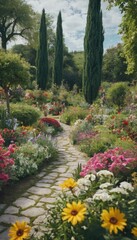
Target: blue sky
<point>74,14</point>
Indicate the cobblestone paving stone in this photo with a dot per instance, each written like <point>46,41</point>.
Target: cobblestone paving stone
<point>32,205</point>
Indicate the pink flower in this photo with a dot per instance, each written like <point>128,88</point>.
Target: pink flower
<point>4,177</point>
<point>115,160</point>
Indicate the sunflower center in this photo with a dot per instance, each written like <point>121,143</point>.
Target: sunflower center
<point>74,212</point>
<point>113,220</point>
<point>19,232</point>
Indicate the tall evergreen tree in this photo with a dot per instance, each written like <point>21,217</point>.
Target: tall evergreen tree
<point>42,55</point>
<point>93,51</point>
<point>58,63</point>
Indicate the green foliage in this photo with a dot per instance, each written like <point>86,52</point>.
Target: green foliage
<point>25,114</point>
<point>114,66</point>
<point>99,143</point>
<point>14,70</point>
<point>128,30</point>
<point>93,51</point>
<point>42,56</point>
<point>117,93</point>
<point>72,114</point>
<point>58,62</point>
<point>27,52</point>
<point>30,156</point>
<point>16,19</point>
<point>78,58</point>
<point>72,75</point>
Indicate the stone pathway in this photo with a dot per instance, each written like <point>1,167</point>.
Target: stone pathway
<point>31,206</point>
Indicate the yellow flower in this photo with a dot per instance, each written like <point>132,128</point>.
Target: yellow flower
<point>113,220</point>
<point>19,231</point>
<point>69,183</point>
<point>74,212</point>
<point>134,231</point>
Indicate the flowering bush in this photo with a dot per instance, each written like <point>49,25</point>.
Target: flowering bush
<point>50,122</point>
<point>115,160</point>
<point>17,136</point>
<point>56,108</point>
<point>5,161</point>
<point>49,125</point>
<point>95,207</point>
<point>30,156</point>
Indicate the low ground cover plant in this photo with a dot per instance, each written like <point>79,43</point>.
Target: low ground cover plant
<point>31,155</point>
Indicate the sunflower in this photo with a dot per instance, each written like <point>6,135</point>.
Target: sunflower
<point>19,231</point>
<point>113,220</point>
<point>69,183</point>
<point>134,231</point>
<point>74,212</point>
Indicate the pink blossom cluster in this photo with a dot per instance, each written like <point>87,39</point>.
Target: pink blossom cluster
<point>5,161</point>
<point>115,160</point>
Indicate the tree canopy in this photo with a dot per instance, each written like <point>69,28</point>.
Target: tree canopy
<point>16,19</point>
<point>128,29</point>
<point>14,71</point>
<point>114,65</point>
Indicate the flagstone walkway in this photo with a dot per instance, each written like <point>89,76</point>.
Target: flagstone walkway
<point>31,206</point>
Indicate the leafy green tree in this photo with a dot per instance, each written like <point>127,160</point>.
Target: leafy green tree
<point>27,52</point>
<point>114,66</point>
<point>42,56</point>
<point>16,19</point>
<point>14,71</point>
<point>128,29</point>
<point>71,73</point>
<point>58,63</point>
<point>93,51</point>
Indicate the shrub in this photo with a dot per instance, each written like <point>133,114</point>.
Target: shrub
<point>5,162</point>
<point>31,155</point>
<point>25,114</point>
<point>99,143</point>
<point>72,114</point>
<point>49,125</point>
<point>117,93</point>
<point>118,161</point>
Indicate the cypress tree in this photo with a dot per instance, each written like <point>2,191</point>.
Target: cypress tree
<point>93,51</point>
<point>42,54</point>
<point>58,62</point>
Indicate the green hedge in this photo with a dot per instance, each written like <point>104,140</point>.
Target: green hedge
<point>26,115</point>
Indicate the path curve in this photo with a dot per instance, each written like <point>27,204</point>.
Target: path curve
<point>32,205</point>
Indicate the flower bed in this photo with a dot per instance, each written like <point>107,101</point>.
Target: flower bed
<point>96,206</point>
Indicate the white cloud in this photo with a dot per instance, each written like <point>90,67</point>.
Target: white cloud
<point>74,20</point>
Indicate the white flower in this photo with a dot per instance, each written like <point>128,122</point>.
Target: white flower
<point>104,173</point>
<point>83,183</point>
<point>105,185</point>
<point>118,190</point>
<point>127,186</point>
<point>79,121</point>
<point>91,177</point>
<point>104,196</point>
<point>89,200</point>
<point>84,227</point>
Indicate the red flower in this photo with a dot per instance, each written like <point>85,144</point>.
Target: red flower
<point>125,122</point>
<point>50,121</point>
